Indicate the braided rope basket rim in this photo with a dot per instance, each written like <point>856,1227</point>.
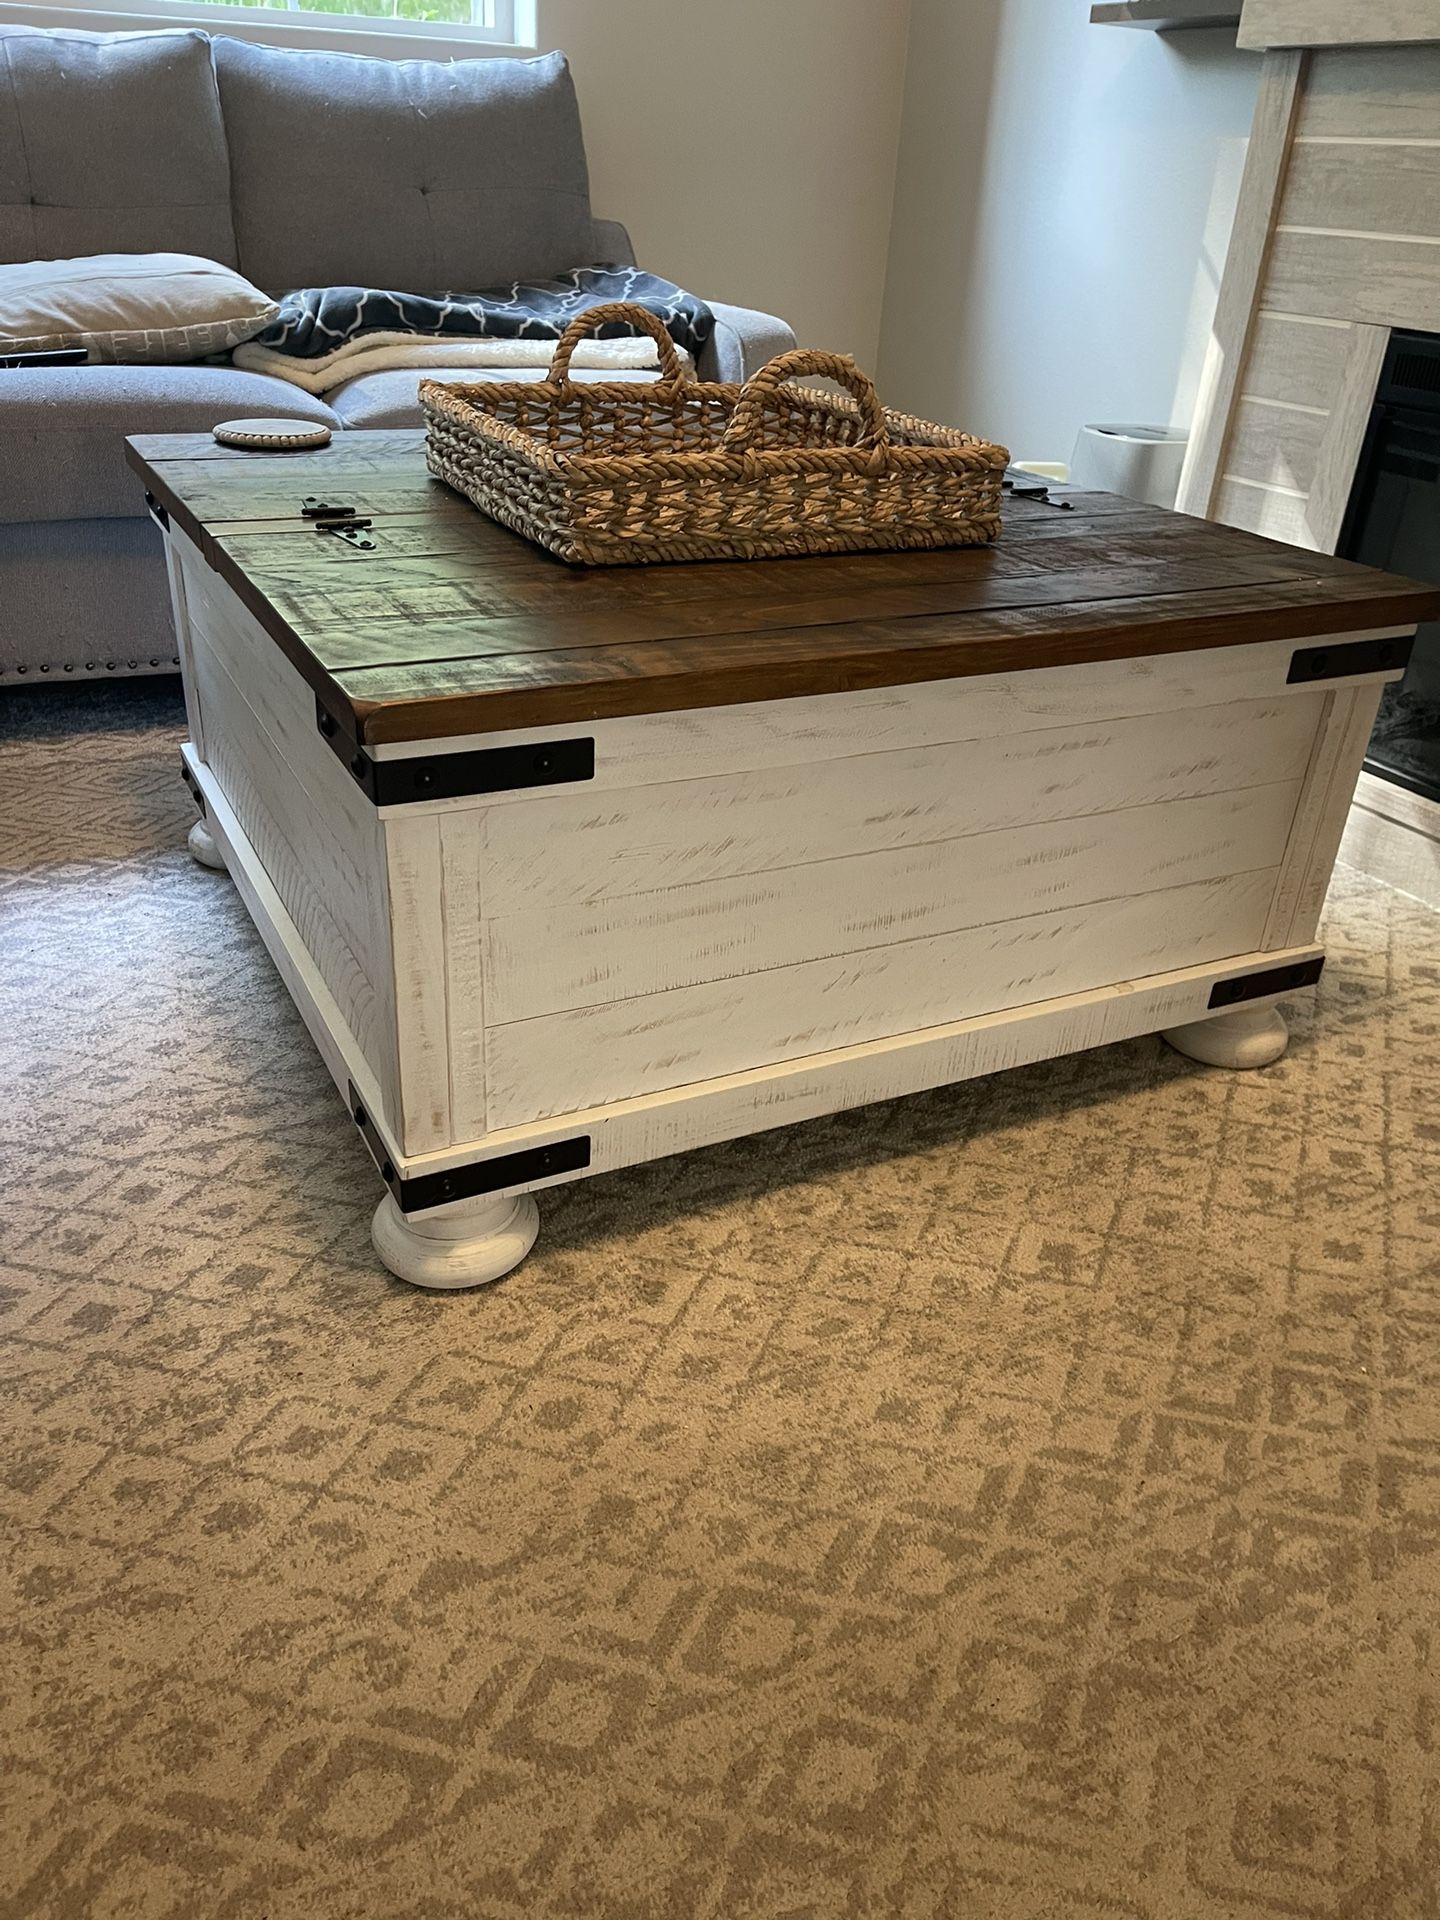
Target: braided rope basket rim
<point>618,478</point>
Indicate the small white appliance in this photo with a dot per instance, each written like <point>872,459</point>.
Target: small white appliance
<point>1142,463</point>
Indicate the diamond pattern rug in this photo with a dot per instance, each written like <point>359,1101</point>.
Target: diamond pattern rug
<point>1017,1502</point>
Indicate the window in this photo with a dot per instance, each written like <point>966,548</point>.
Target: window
<point>381,24</point>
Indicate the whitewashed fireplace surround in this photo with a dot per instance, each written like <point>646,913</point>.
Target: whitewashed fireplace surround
<point>1336,242</point>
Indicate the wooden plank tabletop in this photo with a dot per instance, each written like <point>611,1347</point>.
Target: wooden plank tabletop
<point>452,625</point>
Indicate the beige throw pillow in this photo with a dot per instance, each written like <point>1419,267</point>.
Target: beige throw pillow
<point>129,306</point>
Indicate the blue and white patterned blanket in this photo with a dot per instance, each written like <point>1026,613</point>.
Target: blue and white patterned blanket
<point>326,335</point>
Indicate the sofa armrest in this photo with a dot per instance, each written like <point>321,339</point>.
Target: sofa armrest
<point>612,243</point>
<point>742,343</point>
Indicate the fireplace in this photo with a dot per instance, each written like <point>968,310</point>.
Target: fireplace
<point>1393,521</point>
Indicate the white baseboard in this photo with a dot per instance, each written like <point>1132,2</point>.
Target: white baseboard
<point>1394,835</point>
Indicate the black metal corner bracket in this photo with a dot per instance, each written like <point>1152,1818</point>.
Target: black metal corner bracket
<point>455,776</point>
<point>467,1183</point>
<point>194,785</point>
<point>1352,656</point>
<point>1255,986</point>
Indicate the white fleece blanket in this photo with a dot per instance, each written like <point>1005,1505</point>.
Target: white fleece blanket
<point>371,352</point>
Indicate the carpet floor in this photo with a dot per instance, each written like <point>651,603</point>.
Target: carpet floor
<point>1020,1502</point>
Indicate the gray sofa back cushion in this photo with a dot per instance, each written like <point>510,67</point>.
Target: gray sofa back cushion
<point>111,143</point>
<point>404,174</point>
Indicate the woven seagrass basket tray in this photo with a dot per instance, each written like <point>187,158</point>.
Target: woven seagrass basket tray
<point>619,472</point>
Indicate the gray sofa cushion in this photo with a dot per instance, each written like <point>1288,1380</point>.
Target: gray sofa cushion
<point>62,429</point>
<point>111,143</point>
<point>406,174</point>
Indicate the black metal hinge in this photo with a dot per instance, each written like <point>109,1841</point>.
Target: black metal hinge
<point>480,1177</point>
<point>1353,656</point>
<point>455,776</point>
<point>344,522</point>
<point>157,512</point>
<point>1255,986</point>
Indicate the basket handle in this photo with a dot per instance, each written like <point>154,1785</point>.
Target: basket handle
<point>748,418</point>
<point>638,319</point>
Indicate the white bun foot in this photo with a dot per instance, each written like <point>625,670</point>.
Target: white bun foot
<point>464,1245</point>
<point>1249,1037</point>
<point>203,848</point>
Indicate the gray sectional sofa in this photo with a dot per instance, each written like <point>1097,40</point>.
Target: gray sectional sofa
<point>299,169</point>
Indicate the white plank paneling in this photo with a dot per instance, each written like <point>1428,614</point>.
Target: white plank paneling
<point>1297,359</point>
<point>580,846</point>
<point>1274,446</point>
<point>1264,510</point>
<point>462,853</point>
<point>1372,93</point>
<point>1336,23</point>
<point>1380,281</point>
<point>565,1061</point>
<point>1344,435</point>
<point>308,867</point>
<point>558,958</point>
<point>413,887</point>
<point>1260,190</point>
<point>1392,189</point>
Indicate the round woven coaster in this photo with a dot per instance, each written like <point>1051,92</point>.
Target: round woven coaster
<point>280,436</point>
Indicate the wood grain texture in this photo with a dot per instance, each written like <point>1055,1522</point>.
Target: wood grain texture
<point>555,959</point>
<point>566,1061</point>
<point>1381,282</point>
<point>572,847</point>
<point>1264,510</point>
<point>1274,446</point>
<point>1297,360</point>
<point>1344,436</point>
<point>1260,190</point>
<point>454,627</point>
<point>415,908</point>
<point>1377,93</point>
<point>637,750</point>
<point>1336,23</point>
<point>1392,189</point>
<point>1351,724</point>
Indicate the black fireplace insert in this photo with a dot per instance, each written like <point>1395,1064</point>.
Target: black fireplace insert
<point>1393,521</point>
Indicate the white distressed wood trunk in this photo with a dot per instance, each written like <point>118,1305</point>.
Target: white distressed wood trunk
<point>756,914</point>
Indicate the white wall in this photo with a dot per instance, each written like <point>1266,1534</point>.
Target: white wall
<point>1063,203</point>
<point>749,146</point>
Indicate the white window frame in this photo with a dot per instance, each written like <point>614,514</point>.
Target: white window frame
<point>502,26</point>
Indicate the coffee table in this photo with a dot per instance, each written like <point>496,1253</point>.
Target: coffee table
<point>567,869</point>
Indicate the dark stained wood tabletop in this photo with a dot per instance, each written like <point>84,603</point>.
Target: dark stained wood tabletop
<point>451,625</point>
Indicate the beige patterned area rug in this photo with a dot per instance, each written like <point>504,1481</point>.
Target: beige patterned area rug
<point>1016,1503</point>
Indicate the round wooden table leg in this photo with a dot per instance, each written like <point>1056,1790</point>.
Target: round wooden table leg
<point>1247,1037</point>
<point>203,847</point>
<point>467,1244</point>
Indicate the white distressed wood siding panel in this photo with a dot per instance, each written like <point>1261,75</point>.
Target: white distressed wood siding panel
<point>1296,359</point>
<point>313,875</point>
<point>1385,283</point>
<point>653,748</point>
<point>559,958</point>
<point>1330,23</point>
<point>566,1061</point>
<point>1260,190</point>
<point>413,885</point>
<point>462,854</point>
<point>1344,435</point>
<point>1393,189</point>
<point>285,708</point>
<point>583,846</point>
<point>703,1112</point>
<point>1372,93</point>
<point>1352,725</point>
<point>194,719</point>
<point>1264,510</point>
<point>1274,446</point>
